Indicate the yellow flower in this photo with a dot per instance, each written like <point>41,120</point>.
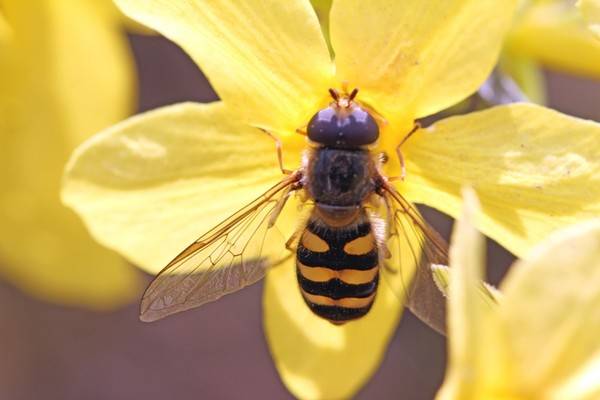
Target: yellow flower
<point>546,33</point>
<point>540,340</point>
<point>154,183</point>
<point>590,10</point>
<point>322,8</point>
<point>65,72</point>
<point>553,34</point>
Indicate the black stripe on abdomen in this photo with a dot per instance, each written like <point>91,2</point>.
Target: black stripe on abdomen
<point>331,297</point>
<point>336,258</point>
<point>337,313</point>
<point>336,288</point>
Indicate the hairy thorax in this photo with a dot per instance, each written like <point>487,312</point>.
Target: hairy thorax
<point>340,178</point>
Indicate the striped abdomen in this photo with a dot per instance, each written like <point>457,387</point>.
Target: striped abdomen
<point>338,268</point>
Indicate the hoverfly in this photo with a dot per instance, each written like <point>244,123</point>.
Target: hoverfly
<point>355,221</point>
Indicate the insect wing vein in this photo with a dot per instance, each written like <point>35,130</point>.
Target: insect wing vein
<point>414,247</point>
<point>225,259</point>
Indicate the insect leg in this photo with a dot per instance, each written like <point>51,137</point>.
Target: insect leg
<point>389,211</point>
<point>279,206</point>
<point>401,156</point>
<point>302,131</point>
<point>409,134</point>
<point>290,242</point>
<point>402,165</point>
<point>279,148</point>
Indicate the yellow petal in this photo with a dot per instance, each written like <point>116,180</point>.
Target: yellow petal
<point>111,10</point>
<point>475,362</point>
<point>591,13</point>
<point>61,43</point>
<point>153,184</point>
<point>465,312</point>
<point>47,252</point>
<point>555,35</point>
<point>316,359</point>
<point>535,170</point>
<point>441,276</point>
<point>267,60</point>
<point>551,312</point>
<point>415,57</point>
<point>5,29</point>
<point>54,92</point>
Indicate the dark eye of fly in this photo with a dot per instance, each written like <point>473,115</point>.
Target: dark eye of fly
<point>343,128</point>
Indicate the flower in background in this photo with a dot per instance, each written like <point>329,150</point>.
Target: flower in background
<point>539,339</point>
<point>152,184</point>
<point>552,34</point>
<point>65,72</point>
<point>590,9</point>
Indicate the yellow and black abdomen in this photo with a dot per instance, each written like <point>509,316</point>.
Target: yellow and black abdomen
<point>338,269</point>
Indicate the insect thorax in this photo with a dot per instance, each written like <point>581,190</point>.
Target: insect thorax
<point>340,177</point>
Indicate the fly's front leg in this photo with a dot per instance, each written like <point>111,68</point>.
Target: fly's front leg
<point>401,156</point>
<point>279,148</point>
<point>402,165</point>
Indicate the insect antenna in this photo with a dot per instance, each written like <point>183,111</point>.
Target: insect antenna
<point>334,94</point>
<point>353,94</point>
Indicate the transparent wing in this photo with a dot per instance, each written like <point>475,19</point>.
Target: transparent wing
<point>232,255</point>
<point>413,247</point>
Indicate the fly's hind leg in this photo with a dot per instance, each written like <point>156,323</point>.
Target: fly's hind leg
<point>292,241</point>
<point>279,206</point>
<point>389,219</point>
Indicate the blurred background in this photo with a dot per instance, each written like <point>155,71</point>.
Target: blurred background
<point>55,352</point>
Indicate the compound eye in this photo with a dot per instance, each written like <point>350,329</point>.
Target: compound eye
<point>324,127</point>
<point>343,128</point>
<point>361,128</point>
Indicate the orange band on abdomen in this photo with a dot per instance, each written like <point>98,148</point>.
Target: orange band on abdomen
<point>348,302</point>
<point>351,276</point>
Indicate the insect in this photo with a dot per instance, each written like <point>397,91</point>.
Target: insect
<point>356,226</point>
